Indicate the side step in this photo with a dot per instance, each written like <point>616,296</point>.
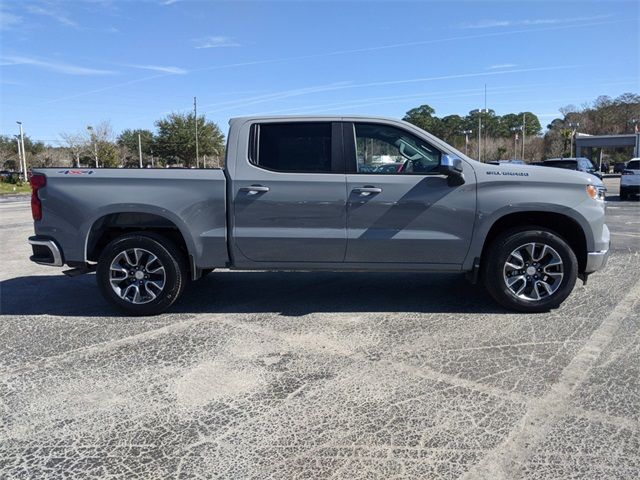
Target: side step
<point>76,272</point>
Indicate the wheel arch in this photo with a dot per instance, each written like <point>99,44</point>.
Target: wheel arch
<point>566,227</point>
<point>112,225</point>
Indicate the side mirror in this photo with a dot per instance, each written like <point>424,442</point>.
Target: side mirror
<point>451,167</point>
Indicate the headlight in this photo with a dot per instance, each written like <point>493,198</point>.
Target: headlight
<point>596,192</point>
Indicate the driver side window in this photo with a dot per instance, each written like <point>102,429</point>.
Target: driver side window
<point>381,149</point>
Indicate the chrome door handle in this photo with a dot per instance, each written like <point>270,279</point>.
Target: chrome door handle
<point>365,191</point>
<point>254,189</point>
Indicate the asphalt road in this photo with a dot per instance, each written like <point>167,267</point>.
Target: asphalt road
<point>323,375</point>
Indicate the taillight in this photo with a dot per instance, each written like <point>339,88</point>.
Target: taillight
<point>627,172</point>
<point>37,181</point>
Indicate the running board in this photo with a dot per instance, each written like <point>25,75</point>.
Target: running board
<point>76,272</point>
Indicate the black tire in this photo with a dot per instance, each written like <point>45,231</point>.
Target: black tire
<point>168,256</point>
<point>624,195</point>
<point>493,270</point>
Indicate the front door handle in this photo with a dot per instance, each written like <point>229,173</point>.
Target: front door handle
<point>254,189</point>
<point>368,190</point>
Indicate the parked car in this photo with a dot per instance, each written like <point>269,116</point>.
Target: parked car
<point>580,164</point>
<point>630,179</point>
<point>292,197</point>
<point>619,167</point>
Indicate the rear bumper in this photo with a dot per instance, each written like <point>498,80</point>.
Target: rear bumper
<point>45,252</point>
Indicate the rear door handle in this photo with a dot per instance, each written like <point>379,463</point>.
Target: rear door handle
<point>254,189</point>
<point>365,191</point>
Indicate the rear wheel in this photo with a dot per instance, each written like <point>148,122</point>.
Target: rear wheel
<point>530,270</point>
<point>141,273</point>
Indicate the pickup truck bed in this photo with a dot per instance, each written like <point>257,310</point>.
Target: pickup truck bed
<point>79,205</point>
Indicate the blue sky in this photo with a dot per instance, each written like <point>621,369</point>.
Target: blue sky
<point>66,65</point>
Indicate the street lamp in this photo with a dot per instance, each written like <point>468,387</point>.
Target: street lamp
<point>515,131</point>
<point>480,112</point>
<point>95,143</point>
<point>466,134</point>
<point>23,166</point>
<point>574,128</point>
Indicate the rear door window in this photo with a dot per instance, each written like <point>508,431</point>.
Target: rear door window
<point>296,147</point>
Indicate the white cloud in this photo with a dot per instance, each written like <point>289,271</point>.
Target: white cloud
<point>169,2</point>
<point>51,12</point>
<point>501,66</point>
<point>53,66</point>
<point>216,41</point>
<point>8,20</point>
<point>160,68</point>
<point>530,22</point>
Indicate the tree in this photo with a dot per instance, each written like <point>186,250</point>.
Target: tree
<point>76,144</point>
<point>176,141</point>
<point>451,127</point>
<point>423,118</point>
<point>128,142</point>
<point>102,142</point>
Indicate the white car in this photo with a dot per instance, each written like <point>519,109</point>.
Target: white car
<point>630,179</point>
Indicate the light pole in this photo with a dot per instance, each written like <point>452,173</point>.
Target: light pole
<point>480,112</point>
<point>195,116</point>
<point>140,149</point>
<point>574,127</point>
<point>466,140</point>
<point>95,144</point>
<point>24,156</point>
<point>515,131</point>
<point>19,151</point>
<point>524,128</point>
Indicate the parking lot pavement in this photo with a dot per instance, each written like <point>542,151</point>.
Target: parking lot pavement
<point>319,375</point>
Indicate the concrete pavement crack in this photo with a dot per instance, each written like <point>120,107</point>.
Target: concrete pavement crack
<point>505,461</point>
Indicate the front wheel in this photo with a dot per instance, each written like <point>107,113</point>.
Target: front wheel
<point>141,273</point>
<point>530,270</point>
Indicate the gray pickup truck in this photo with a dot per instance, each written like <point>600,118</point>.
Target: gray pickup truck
<point>324,193</point>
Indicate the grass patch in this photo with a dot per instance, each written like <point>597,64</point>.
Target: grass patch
<point>8,189</point>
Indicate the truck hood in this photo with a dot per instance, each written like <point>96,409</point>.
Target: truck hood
<point>534,173</point>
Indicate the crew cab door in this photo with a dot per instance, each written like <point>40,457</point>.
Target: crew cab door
<point>400,209</point>
<point>288,193</point>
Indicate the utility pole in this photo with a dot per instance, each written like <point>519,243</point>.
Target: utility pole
<point>195,115</point>
<point>24,156</point>
<point>140,149</point>
<point>524,127</point>
<point>152,164</point>
<point>95,144</point>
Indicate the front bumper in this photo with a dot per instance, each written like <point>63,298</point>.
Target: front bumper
<point>45,252</point>
<point>596,261</point>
